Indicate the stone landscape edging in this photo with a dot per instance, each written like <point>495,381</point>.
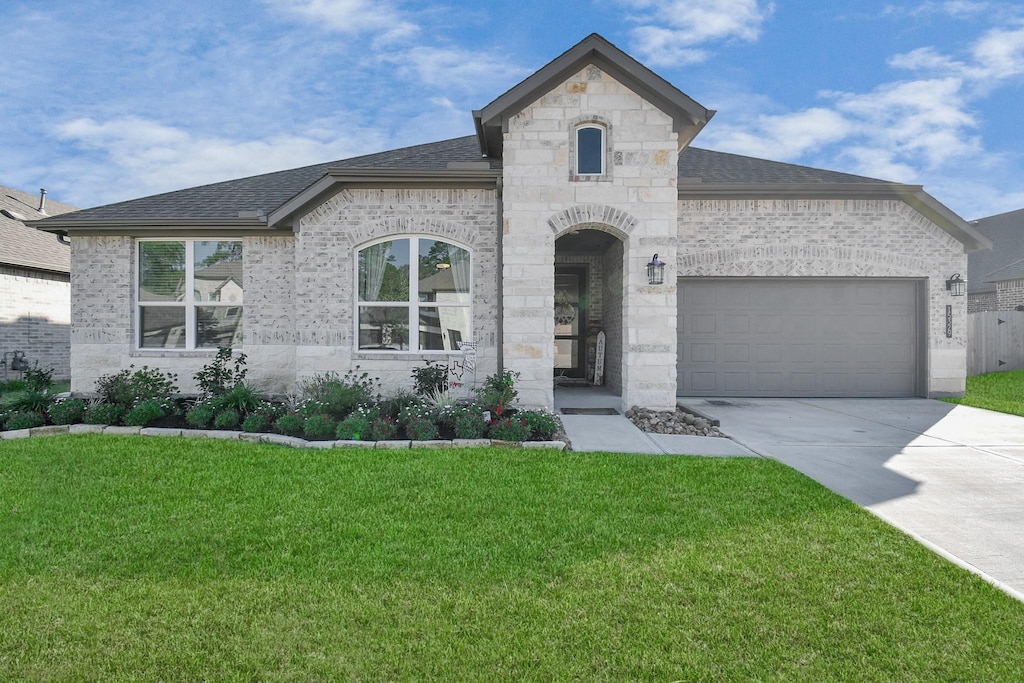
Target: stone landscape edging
<point>280,439</point>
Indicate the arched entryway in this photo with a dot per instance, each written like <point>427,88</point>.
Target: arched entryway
<point>589,293</point>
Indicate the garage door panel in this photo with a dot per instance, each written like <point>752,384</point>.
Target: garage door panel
<point>797,337</point>
<point>768,353</point>
<point>803,353</point>
<point>703,323</point>
<point>736,353</point>
<point>703,353</point>
<point>704,382</point>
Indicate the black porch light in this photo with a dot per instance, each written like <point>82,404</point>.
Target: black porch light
<point>656,271</point>
<point>955,285</point>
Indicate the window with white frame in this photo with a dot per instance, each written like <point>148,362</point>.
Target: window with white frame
<point>590,150</point>
<point>416,283</point>
<point>189,294</point>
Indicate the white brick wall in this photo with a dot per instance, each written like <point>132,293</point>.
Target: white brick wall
<point>35,317</point>
<point>635,200</point>
<point>834,238</point>
<point>325,300</point>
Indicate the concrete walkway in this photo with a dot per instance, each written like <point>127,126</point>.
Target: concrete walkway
<point>616,434</point>
<point>951,476</point>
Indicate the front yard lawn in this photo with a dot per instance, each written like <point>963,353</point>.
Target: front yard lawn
<point>1000,391</point>
<point>132,558</point>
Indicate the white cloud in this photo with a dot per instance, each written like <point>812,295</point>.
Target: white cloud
<point>782,137</point>
<point>996,56</point>
<point>671,32</point>
<point>957,9</point>
<point>448,68</point>
<point>131,156</point>
<point>375,17</point>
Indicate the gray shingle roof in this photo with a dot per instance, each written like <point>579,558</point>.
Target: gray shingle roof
<point>26,247</point>
<point>269,191</point>
<point>1006,230</point>
<point>722,168</point>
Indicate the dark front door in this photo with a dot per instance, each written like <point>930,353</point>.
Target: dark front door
<point>570,321</point>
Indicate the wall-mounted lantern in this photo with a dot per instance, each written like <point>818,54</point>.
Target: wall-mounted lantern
<point>955,285</point>
<point>656,271</point>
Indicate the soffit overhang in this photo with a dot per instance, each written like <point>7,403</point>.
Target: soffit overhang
<point>688,116</point>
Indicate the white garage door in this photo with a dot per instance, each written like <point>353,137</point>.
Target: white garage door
<point>797,337</point>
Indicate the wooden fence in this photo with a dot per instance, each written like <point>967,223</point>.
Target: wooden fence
<point>995,342</point>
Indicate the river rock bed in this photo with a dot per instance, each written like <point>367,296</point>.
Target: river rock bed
<point>668,422</point>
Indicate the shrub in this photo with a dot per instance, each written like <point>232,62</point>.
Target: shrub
<point>338,395</point>
<point>199,416</point>
<point>542,425</point>
<point>414,410</point>
<point>104,414</point>
<point>510,429</point>
<point>241,398</point>
<point>421,429</point>
<point>24,419</point>
<point>289,424</point>
<point>37,378</point>
<point>320,427</point>
<point>469,424</point>
<point>383,429</point>
<point>229,418</point>
<point>431,378</point>
<point>128,387</point>
<point>255,423</point>
<point>394,405</point>
<point>269,410</point>
<point>145,413</point>
<point>68,411</point>
<point>218,377</point>
<point>355,427</point>
<point>498,392</point>
<point>32,400</point>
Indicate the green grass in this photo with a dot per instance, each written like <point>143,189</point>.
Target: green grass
<point>1000,391</point>
<point>129,558</point>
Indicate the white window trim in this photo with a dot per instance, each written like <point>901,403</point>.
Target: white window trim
<point>607,156</point>
<point>188,301</point>
<point>604,155</point>
<point>413,303</point>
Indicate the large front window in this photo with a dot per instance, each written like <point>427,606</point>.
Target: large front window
<point>413,283</point>
<point>189,294</point>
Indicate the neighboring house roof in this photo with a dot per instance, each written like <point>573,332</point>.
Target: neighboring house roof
<point>22,246</point>
<point>1014,271</point>
<point>1005,261</point>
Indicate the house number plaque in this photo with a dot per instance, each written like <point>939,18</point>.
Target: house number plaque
<point>949,321</point>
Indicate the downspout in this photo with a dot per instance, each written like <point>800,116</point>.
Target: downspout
<point>500,276</point>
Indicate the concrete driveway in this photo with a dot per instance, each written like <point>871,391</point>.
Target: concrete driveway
<point>952,476</point>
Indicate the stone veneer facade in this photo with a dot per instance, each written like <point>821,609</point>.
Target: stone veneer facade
<point>634,200</point>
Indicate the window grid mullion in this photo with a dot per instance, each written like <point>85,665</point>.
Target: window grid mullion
<point>414,293</point>
<point>189,299</point>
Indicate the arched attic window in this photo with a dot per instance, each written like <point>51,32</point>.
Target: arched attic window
<point>590,146</point>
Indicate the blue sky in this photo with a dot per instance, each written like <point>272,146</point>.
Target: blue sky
<point>104,101</point>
